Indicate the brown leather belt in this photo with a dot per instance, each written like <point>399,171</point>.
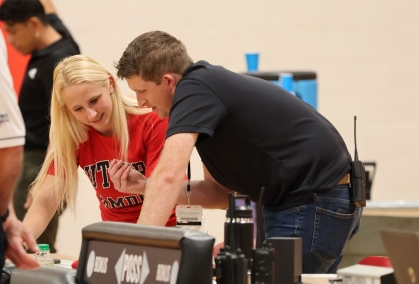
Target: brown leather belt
<point>345,180</point>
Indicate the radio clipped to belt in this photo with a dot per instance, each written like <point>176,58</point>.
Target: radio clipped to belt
<point>189,216</point>
<point>357,186</point>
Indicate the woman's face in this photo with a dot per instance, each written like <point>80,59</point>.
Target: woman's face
<point>91,105</point>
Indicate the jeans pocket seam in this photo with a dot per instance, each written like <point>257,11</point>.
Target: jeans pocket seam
<point>337,214</point>
<point>319,212</point>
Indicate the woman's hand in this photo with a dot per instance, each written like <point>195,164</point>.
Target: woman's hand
<point>125,178</point>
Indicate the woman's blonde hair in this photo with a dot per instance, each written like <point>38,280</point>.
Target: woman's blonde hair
<point>67,133</point>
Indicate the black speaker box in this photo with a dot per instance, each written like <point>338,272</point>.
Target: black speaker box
<point>288,259</point>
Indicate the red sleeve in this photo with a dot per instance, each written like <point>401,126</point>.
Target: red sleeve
<point>51,170</point>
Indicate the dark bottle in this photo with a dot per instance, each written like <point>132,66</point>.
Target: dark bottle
<point>243,228</point>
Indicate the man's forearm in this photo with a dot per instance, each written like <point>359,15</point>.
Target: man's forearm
<point>159,203</point>
<point>160,198</point>
<point>11,160</point>
<point>206,193</point>
<point>165,182</point>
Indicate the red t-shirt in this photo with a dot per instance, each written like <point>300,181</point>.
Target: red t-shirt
<point>147,134</point>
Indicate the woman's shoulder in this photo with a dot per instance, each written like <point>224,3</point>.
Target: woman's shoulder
<point>150,117</point>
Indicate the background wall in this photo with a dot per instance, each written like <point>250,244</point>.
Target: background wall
<point>364,52</point>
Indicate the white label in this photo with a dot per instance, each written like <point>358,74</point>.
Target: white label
<point>191,213</point>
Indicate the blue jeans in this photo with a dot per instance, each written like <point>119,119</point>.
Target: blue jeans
<point>324,226</point>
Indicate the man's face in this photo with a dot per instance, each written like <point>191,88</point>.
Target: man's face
<point>157,97</point>
<point>22,36</point>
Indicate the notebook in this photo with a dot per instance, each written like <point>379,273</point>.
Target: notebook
<point>402,247</point>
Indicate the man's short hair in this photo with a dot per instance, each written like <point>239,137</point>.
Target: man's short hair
<point>20,11</point>
<point>152,54</point>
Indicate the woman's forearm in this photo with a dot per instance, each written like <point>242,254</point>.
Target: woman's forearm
<point>42,208</point>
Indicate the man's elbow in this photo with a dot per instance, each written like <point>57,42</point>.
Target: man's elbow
<point>222,198</point>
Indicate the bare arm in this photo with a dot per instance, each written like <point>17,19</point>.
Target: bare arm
<point>11,158</point>
<point>17,234</point>
<point>165,182</point>
<point>43,208</point>
<point>208,193</point>
<point>48,7</point>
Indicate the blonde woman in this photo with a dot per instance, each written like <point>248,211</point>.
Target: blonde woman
<point>91,125</point>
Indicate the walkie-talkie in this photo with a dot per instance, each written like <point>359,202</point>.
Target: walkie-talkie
<point>357,191</point>
<point>231,264</point>
<point>263,261</point>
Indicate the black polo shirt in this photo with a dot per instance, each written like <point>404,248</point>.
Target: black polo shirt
<point>35,93</point>
<point>254,134</point>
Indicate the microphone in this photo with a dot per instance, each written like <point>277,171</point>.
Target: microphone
<point>357,190</point>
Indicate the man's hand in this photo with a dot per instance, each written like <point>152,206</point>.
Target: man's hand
<point>17,234</point>
<point>125,178</point>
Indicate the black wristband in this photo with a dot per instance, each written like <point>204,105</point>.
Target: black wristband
<point>4,217</point>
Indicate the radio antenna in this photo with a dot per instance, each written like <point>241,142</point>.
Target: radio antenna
<point>259,207</point>
<point>233,230</point>
<point>356,148</point>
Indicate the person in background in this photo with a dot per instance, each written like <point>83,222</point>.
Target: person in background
<point>249,134</point>
<point>35,29</point>
<point>91,125</point>
<point>12,138</point>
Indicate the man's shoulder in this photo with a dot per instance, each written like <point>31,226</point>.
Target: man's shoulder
<point>54,53</point>
<point>57,24</point>
<point>205,74</point>
<point>67,39</point>
<point>66,46</point>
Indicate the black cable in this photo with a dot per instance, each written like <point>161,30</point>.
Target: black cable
<point>188,187</point>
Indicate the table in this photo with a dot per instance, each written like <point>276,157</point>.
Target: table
<point>64,257</point>
<point>378,215</point>
<point>393,208</point>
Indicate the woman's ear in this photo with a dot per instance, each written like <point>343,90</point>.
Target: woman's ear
<point>111,84</point>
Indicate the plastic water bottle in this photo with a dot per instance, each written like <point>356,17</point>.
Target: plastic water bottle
<point>43,256</point>
<point>286,82</point>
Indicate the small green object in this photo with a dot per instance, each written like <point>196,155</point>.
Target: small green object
<point>43,247</point>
